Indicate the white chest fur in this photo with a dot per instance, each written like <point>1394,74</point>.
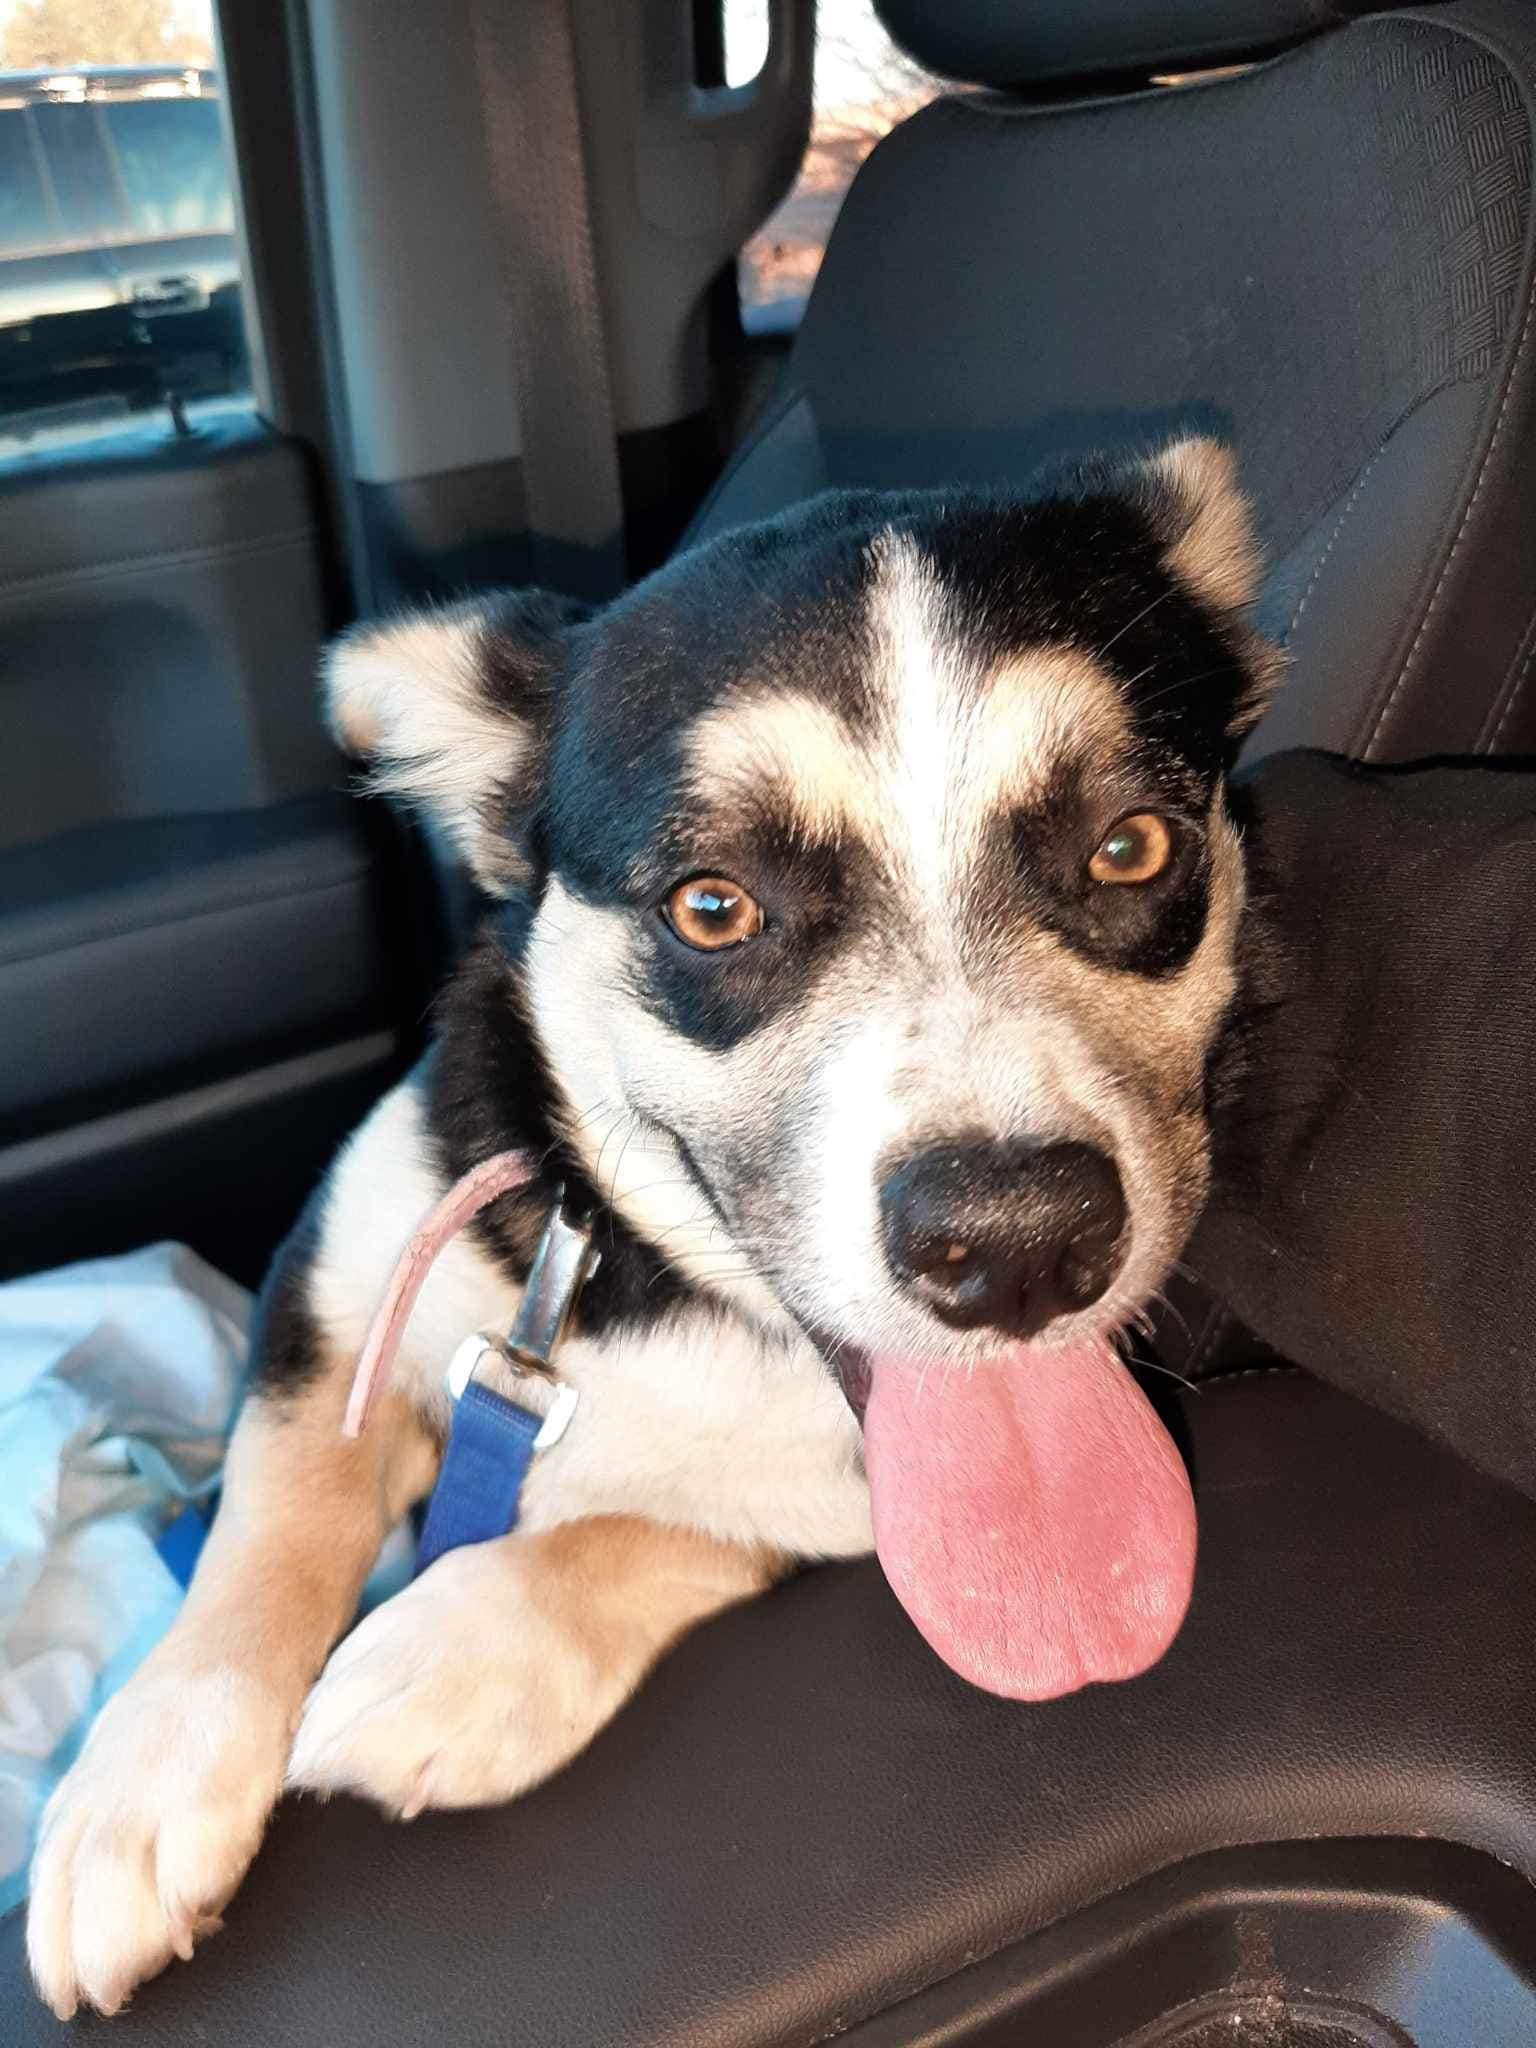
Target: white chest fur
<point>698,1420</point>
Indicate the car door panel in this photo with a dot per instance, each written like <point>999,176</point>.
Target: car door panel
<point>188,897</point>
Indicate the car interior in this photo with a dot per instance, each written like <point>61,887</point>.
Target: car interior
<point>501,331</point>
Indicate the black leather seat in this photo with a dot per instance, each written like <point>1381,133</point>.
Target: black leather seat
<point>805,1827</point>
<point>1326,260</point>
<point>804,1820</point>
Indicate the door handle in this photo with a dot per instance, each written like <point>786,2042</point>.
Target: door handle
<point>152,295</point>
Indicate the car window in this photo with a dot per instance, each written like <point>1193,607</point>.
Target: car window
<point>170,160</point>
<point>121,307</point>
<point>89,201</point>
<point>865,86</point>
<point>25,220</point>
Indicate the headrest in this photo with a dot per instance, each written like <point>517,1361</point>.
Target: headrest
<point>1012,42</point>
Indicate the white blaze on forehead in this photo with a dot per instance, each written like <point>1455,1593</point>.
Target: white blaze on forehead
<point>952,741</point>
<point>962,741</point>
<point>927,690</point>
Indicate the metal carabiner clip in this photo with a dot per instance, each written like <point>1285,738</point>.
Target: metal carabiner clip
<point>564,1261</point>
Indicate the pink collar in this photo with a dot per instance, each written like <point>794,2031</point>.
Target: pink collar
<point>498,1175</point>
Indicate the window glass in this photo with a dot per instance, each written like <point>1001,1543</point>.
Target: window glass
<point>89,201</point>
<point>24,216</point>
<point>746,39</point>
<point>120,305</point>
<point>170,159</point>
<point>864,87</point>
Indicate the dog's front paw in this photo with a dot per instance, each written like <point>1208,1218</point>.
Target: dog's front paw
<point>150,1832</point>
<point>458,1692</point>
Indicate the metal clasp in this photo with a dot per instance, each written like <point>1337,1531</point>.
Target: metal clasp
<point>565,1260</point>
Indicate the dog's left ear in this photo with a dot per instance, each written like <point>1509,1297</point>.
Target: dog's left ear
<point>451,709</point>
<point>1204,520</point>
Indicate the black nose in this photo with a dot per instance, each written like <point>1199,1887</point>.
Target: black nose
<point>1011,1235</point>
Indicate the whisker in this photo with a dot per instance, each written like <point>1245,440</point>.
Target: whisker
<point>1156,1365</point>
<point>1169,1308</point>
<point>1172,689</point>
<point>597,1170</point>
<point>613,1185</point>
<point>1162,597</point>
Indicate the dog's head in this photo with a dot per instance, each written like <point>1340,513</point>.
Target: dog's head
<point>869,886</point>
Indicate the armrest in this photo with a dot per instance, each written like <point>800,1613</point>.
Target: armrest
<point>177,994</point>
<point>145,951</point>
<point>805,1819</point>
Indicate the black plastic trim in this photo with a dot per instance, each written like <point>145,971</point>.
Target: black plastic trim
<point>1353,1944</point>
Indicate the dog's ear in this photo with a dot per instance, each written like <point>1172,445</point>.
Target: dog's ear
<point>451,710</point>
<point>1206,527</point>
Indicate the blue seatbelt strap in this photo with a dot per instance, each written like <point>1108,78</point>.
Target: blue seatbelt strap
<point>492,1441</point>
<point>181,1541</point>
<point>490,1448</point>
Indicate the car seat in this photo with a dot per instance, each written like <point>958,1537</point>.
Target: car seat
<point>1314,1824</point>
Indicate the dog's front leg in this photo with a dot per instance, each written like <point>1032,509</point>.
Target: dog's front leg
<point>504,1659</point>
<point>154,1826</point>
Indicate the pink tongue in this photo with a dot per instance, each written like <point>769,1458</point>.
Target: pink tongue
<point>1032,1516</point>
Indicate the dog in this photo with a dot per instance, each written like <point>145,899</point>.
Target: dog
<point>864,921</point>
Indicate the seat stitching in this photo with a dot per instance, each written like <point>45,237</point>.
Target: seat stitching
<point>1499,425</point>
<point>1513,63</point>
<point>1220,1321</point>
<point>1503,703</point>
<point>1349,506</point>
<point>1518,690</point>
<point>1251,1372</point>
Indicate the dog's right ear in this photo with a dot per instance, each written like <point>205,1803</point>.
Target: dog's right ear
<point>451,710</point>
<point>1206,524</point>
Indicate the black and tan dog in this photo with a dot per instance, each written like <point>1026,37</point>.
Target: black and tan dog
<point>866,917</point>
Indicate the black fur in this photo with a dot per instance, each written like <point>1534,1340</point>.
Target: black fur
<point>781,606</point>
<point>1266,978</point>
<point>610,704</point>
<point>1150,930</point>
<point>485,1090</point>
<point>807,894</point>
<point>1025,574</point>
<point>488,1091</point>
<point>285,1350</point>
<point>524,645</point>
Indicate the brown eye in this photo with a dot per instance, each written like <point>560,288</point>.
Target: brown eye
<point>711,913</point>
<point>1135,850</point>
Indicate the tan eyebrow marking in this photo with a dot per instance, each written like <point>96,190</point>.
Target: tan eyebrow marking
<point>1042,707</point>
<point>798,748</point>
